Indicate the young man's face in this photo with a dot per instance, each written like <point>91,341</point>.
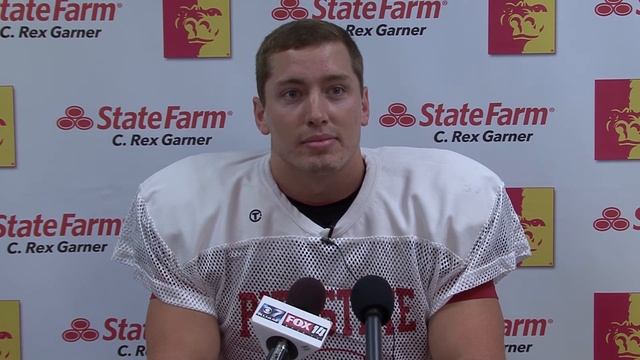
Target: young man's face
<point>313,109</point>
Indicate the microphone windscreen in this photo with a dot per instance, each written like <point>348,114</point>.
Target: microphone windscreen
<point>372,292</point>
<point>307,294</point>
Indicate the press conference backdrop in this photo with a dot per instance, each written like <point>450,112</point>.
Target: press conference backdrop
<point>97,95</point>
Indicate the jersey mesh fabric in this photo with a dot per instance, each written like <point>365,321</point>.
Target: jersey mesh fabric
<point>424,275</point>
<point>155,264</point>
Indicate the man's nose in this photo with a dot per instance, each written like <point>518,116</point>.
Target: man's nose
<point>316,110</point>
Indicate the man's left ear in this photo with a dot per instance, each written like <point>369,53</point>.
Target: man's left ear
<point>365,107</point>
<point>258,115</point>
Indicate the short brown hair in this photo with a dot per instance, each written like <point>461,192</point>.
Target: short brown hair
<point>300,34</point>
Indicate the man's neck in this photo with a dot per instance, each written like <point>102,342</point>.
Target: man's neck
<point>321,188</point>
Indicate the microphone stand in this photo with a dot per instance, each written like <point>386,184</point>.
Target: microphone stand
<point>373,336</point>
<point>279,352</point>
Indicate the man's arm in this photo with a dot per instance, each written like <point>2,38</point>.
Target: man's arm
<point>468,330</point>
<point>177,333</point>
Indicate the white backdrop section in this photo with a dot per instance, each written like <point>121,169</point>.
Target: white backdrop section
<point>60,173</point>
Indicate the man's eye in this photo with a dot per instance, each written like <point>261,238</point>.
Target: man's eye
<point>291,94</point>
<point>337,90</point>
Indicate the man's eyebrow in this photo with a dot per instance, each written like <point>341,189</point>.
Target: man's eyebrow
<point>290,81</point>
<point>299,81</point>
<point>337,77</point>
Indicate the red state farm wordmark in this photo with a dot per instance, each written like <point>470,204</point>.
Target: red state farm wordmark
<point>289,9</point>
<point>618,7</point>
<point>75,118</point>
<point>397,116</point>
<point>80,330</point>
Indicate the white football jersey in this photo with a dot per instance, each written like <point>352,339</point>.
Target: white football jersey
<point>213,233</point>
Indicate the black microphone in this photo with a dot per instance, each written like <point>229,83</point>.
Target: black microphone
<point>307,294</point>
<point>372,303</point>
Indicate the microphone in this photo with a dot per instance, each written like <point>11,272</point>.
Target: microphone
<point>292,330</point>
<point>372,303</point>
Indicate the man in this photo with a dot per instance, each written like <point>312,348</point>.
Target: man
<point>210,233</point>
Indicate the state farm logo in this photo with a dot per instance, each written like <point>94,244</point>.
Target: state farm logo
<point>616,318</point>
<point>33,236</point>
<point>617,119</point>
<point>526,326</point>
<point>522,26</point>
<point>58,10</point>
<point>64,11</point>
<point>446,116</point>
<point>68,224</point>
<point>171,118</point>
<point>612,219</point>
<point>74,118</point>
<point>617,7</point>
<point>397,116</point>
<point>113,329</point>
<point>80,329</point>
<point>525,329</point>
<point>289,9</point>
<point>363,10</point>
<point>197,28</point>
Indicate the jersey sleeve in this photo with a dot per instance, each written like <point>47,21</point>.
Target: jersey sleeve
<point>484,291</point>
<point>141,247</point>
<point>499,247</point>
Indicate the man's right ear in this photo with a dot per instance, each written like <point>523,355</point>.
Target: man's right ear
<point>258,114</point>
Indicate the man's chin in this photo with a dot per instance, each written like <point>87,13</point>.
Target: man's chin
<point>321,167</point>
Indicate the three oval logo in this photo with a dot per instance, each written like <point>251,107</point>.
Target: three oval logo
<point>80,329</point>
<point>289,9</point>
<point>617,7</point>
<point>611,219</point>
<point>397,116</point>
<point>74,119</point>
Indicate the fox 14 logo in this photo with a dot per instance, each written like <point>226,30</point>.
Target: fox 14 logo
<point>304,326</point>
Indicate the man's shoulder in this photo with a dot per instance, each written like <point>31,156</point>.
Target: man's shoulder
<point>432,163</point>
<point>451,196</point>
<point>191,174</point>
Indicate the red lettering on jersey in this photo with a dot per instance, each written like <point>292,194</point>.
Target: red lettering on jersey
<point>404,298</point>
<point>345,296</point>
<point>330,314</point>
<point>406,325</point>
<point>248,304</point>
<point>280,295</point>
<point>388,329</point>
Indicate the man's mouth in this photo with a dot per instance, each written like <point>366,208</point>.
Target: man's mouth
<point>319,141</point>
